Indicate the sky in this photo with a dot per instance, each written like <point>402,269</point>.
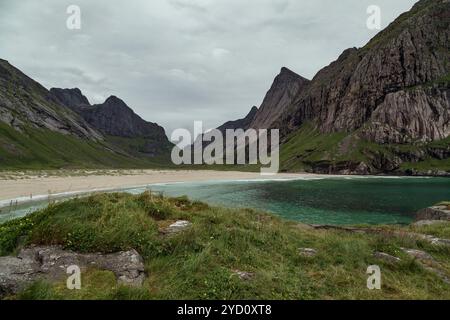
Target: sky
<point>179,61</point>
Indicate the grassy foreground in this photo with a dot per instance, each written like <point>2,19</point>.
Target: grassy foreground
<point>199,262</point>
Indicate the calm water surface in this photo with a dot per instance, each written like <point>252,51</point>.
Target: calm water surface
<point>352,200</point>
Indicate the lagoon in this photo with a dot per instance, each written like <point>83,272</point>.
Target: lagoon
<point>337,201</point>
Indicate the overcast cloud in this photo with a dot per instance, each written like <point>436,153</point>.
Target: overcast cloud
<point>176,61</point>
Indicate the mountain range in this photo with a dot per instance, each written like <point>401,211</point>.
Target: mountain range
<point>380,109</point>
<point>59,128</point>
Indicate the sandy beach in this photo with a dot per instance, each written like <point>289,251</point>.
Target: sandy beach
<point>31,186</point>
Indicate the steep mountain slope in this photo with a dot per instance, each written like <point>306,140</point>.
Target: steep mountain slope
<point>244,123</point>
<point>118,122</point>
<point>385,107</point>
<point>25,103</point>
<point>38,131</point>
<point>286,86</point>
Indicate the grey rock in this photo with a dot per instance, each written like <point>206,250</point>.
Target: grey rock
<point>115,118</point>
<point>307,252</point>
<point>428,263</point>
<point>434,213</point>
<point>286,86</point>
<point>72,98</point>
<point>51,263</point>
<point>243,275</point>
<point>177,227</point>
<point>419,254</point>
<point>386,257</point>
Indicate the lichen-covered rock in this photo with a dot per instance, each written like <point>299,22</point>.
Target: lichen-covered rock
<point>307,252</point>
<point>177,227</point>
<point>434,213</point>
<point>243,275</point>
<point>51,263</point>
<point>386,257</point>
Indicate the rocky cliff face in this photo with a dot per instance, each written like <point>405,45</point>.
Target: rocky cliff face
<point>72,98</point>
<point>244,123</point>
<point>59,128</point>
<point>115,118</point>
<point>394,87</point>
<point>286,86</point>
<point>24,102</point>
<point>393,91</point>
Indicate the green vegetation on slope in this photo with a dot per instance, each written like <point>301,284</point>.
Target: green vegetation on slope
<point>307,148</point>
<point>44,149</point>
<point>199,262</point>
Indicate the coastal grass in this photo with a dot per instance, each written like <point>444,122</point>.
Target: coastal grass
<point>201,262</point>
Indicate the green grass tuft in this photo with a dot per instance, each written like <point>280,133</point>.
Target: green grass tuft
<point>199,262</point>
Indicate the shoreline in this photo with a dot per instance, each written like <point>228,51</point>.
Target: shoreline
<point>25,189</point>
<point>29,187</point>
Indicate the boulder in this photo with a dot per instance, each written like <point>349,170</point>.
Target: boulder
<point>434,213</point>
<point>386,257</point>
<point>51,263</point>
<point>243,275</point>
<point>177,227</point>
<point>307,252</point>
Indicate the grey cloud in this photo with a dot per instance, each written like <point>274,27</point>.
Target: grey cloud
<point>176,61</point>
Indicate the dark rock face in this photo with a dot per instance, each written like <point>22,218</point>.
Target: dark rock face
<point>115,118</point>
<point>24,102</point>
<point>286,86</point>
<point>244,123</point>
<point>394,92</point>
<point>71,98</point>
<point>51,263</point>
<point>385,85</point>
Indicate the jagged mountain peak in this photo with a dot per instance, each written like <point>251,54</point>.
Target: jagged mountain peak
<point>285,87</point>
<point>114,100</point>
<point>288,73</point>
<point>71,98</point>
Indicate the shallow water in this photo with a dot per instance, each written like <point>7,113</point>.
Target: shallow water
<point>351,200</point>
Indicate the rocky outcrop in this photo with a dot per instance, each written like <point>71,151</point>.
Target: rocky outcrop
<point>427,261</point>
<point>307,252</point>
<point>441,213</point>
<point>176,227</point>
<point>286,86</point>
<point>72,98</point>
<point>51,263</point>
<point>386,257</point>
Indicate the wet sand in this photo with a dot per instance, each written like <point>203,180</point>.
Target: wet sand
<point>29,186</point>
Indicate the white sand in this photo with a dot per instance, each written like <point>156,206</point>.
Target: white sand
<point>31,187</point>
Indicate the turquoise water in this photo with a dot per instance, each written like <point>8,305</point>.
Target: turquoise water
<point>352,200</point>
